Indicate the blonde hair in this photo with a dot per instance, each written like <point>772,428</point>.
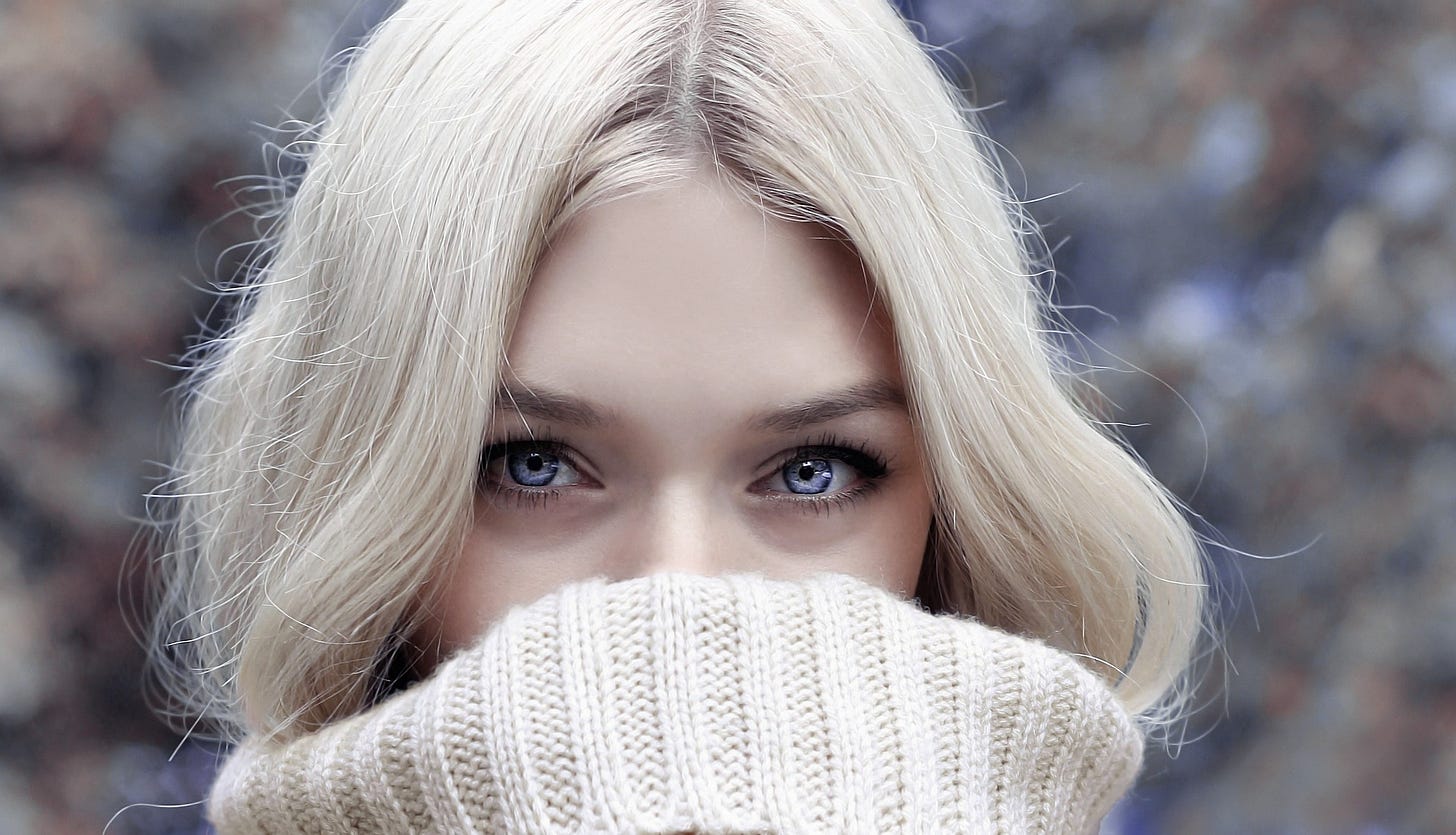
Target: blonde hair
<point>331,434</point>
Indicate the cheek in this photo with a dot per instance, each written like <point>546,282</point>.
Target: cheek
<point>893,548</point>
<point>881,541</point>
<point>508,558</point>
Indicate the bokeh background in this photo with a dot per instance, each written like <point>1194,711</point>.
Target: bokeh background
<point>1252,210</point>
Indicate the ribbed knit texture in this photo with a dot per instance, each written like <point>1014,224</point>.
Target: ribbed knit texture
<point>679,703</point>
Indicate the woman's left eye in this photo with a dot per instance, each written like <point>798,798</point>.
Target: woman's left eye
<point>815,476</point>
<point>824,471</point>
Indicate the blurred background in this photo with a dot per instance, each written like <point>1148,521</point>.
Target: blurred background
<point>1252,210</point>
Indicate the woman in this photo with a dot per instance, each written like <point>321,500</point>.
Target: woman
<point>659,395</point>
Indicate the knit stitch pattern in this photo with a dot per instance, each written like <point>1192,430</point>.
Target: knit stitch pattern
<point>730,704</point>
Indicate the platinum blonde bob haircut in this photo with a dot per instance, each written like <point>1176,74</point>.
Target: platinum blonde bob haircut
<point>331,434</point>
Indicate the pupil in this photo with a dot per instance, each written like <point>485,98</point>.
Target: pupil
<point>806,471</point>
<point>534,462</point>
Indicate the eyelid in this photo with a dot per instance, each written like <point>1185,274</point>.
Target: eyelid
<point>541,442</point>
<point>858,455</point>
<point>871,466</point>
<point>827,502</point>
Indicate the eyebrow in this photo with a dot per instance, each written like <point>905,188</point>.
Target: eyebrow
<point>863,397</point>
<point>551,406</point>
<point>558,407</point>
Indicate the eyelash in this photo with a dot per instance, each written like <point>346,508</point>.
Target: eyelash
<point>524,498</point>
<point>872,467</point>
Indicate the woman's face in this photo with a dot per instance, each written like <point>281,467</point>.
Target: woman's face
<point>692,386</point>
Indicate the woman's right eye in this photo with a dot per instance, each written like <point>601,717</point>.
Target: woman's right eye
<point>528,466</point>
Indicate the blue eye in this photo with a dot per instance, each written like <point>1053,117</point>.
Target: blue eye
<point>811,475</point>
<point>828,471</point>
<point>527,465</point>
<point>533,469</point>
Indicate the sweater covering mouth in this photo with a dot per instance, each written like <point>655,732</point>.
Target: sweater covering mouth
<point>730,704</point>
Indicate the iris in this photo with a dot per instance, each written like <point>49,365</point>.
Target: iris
<point>534,468</point>
<point>809,475</point>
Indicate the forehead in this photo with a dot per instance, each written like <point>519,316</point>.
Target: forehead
<point>688,293</point>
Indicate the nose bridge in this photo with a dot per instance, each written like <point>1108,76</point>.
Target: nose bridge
<point>683,531</point>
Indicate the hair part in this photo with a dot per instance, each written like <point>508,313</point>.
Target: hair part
<point>328,457</point>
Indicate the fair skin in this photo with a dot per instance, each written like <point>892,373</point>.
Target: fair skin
<point>691,386</point>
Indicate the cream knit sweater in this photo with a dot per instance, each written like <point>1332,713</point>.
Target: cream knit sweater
<point>678,703</point>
